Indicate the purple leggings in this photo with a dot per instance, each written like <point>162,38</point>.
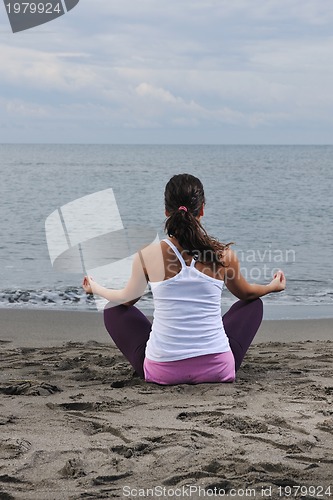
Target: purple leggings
<point>129,328</point>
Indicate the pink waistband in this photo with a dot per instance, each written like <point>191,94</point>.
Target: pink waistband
<point>199,369</point>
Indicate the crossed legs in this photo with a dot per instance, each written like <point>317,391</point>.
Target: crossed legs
<point>129,328</point>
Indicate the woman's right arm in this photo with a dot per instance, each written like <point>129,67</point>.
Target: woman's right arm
<point>129,295</point>
<point>241,288</point>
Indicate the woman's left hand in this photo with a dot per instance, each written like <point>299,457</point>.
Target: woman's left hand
<point>87,284</point>
<point>278,282</point>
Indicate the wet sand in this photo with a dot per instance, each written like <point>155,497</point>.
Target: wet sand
<point>75,421</point>
<point>38,328</point>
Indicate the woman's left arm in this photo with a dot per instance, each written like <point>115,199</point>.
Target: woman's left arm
<point>126,296</point>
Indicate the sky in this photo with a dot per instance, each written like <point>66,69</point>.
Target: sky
<point>171,72</point>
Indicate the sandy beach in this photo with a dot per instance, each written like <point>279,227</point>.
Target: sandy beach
<point>76,422</point>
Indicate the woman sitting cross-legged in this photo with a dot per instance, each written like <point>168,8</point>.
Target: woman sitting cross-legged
<point>188,341</point>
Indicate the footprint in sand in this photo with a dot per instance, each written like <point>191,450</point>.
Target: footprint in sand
<point>29,388</point>
<point>13,448</point>
<point>219,419</point>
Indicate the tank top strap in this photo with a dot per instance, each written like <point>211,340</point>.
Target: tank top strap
<point>177,252</point>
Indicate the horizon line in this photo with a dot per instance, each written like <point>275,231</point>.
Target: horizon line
<point>156,144</point>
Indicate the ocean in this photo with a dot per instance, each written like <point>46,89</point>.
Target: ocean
<point>274,202</point>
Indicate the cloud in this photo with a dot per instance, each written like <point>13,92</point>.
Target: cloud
<point>22,108</point>
<point>160,94</point>
<point>42,70</point>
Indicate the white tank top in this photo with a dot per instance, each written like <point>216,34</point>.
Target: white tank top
<point>187,315</point>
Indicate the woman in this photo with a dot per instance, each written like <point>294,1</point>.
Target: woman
<point>188,341</point>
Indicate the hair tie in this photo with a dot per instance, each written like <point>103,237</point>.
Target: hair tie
<point>182,208</point>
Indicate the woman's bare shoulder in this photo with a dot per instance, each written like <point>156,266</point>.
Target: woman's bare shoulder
<point>153,260</point>
<point>153,252</point>
<point>153,248</point>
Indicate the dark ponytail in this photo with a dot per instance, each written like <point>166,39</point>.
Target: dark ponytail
<point>184,197</point>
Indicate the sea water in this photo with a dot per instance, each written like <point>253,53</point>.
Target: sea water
<point>274,202</point>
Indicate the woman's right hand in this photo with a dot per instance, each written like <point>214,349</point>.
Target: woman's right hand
<point>87,284</point>
<point>278,282</point>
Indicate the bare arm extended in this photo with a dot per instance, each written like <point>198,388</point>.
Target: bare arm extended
<point>241,288</point>
<point>127,296</point>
